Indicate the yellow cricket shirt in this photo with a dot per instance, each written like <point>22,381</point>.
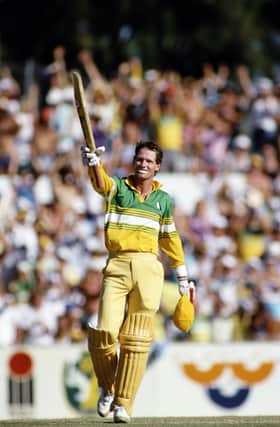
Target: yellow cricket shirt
<point>134,224</point>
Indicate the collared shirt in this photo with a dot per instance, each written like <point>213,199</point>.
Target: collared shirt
<point>135,224</point>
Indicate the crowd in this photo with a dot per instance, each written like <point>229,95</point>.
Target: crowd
<point>220,137</point>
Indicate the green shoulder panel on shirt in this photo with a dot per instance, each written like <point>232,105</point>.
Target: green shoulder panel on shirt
<point>158,203</point>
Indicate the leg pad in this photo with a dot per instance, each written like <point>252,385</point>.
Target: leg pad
<point>135,339</point>
<point>103,350</point>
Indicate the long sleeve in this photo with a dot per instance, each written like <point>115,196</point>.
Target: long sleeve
<point>169,240</point>
<point>171,245</point>
<point>107,180</point>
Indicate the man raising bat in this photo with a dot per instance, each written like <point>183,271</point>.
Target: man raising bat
<point>138,221</point>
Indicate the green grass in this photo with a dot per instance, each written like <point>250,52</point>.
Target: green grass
<point>273,421</point>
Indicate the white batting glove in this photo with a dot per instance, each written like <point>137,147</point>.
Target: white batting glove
<point>91,158</point>
<point>185,286</point>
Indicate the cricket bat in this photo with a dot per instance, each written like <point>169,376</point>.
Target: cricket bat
<point>80,102</point>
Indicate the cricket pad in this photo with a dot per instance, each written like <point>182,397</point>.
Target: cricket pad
<point>135,339</point>
<point>183,315</point>
<point>103,350</point>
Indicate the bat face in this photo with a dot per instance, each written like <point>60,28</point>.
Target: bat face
<point>80,102</point>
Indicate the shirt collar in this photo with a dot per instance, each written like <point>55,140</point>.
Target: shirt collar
<point>155,184</point>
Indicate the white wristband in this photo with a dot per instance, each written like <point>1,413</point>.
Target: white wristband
<point>181,271</point>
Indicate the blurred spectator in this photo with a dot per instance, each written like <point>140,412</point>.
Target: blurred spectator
<point>165,113</point>
<point>264,115</point>
<point>130,136</point>
<point>240,159</point>
<point>260,325</point>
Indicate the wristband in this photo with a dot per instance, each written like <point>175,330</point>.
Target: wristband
<point>181,272</point>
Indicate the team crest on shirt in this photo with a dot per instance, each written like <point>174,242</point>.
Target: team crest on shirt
<point>80,384</point>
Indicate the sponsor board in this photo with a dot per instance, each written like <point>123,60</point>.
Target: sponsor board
<point>182,379</point>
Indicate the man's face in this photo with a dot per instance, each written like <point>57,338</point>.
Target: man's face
<point>145,165</point>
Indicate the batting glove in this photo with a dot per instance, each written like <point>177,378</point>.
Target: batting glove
<point>91,158</point>
<point>185,286</point>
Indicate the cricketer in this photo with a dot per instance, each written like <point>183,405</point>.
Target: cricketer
<point>138,222</point>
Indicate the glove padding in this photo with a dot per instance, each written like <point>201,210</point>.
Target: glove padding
<point>186,287</point>
<point>91,158</point>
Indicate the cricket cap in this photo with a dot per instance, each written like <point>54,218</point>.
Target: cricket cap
<point>184,314</point>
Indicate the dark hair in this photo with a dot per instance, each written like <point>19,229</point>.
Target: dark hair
<point>150,145</point>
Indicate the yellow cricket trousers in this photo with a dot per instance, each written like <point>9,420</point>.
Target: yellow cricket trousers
<point>132,283</point>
